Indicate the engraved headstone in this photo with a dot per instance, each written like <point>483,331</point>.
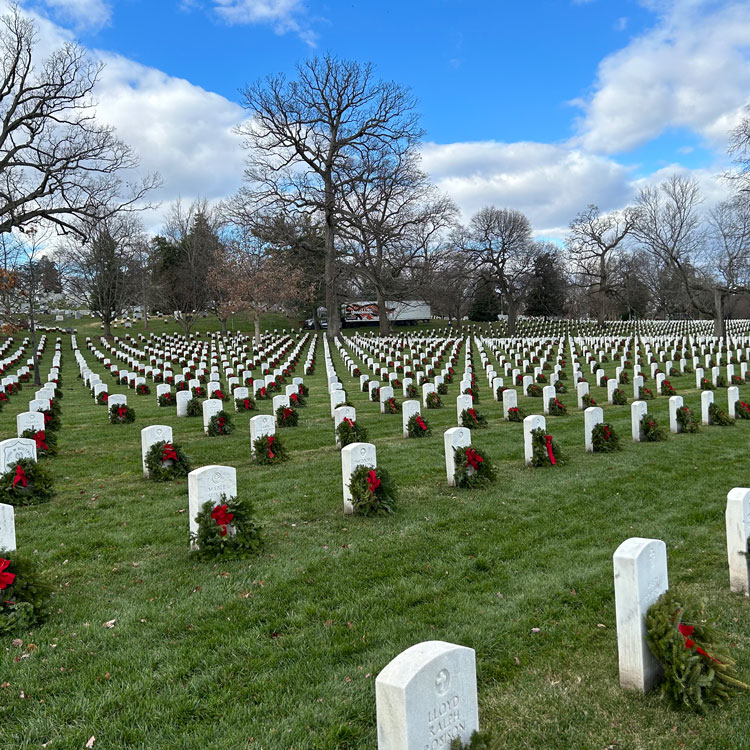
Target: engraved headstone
<point>7,528</point>
<point>13,450</point>
<point>592,416</point>
<point>737,519</point>
<point>353,456</point>
<point>638,410</point>
<point>182,398</point>
<point>260,426</point>
<point>206,484</point>
<point>455,437</point>
<point>531,423</point>
<point>155,433</point>
<point>29,420</point>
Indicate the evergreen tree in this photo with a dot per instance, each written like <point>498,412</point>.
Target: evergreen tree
<point>485,306</point>
<point>549,287</point>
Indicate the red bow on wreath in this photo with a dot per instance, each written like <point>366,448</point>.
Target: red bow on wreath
<point>219,395</point>
<point>220,421</point>
<point>246,403</point>
<point>294,398</point>
<point>222,517</point>
<point>271,454</point>
<point>122,412</point>
<point>607,433</point>
<point>40,437</point>
<point>105,397</point>
<point>372,481</point>
<point>548,445</point>
<point>421,423</point>
<point>20,477</point>
<point>473,414</point>
<point>168,453</point>
<point>473,459</point>
<point>5,578</point>
<point>287,413</point>
<point>47,418</point>
<point>687,630</point>
<point>263,392</point>
<point>349,422</point>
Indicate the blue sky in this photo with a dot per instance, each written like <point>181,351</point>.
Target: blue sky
<point>543,105</point>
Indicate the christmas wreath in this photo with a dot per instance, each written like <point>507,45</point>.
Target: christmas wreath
<point>416,427</point>
<point>350,431</point>
<point>391,406</point>
<point>297,400</point>
<point>515,414</point>
<point>220,424</point>
<point>667,389</point>
<point>562,375</point>
<point>166,461</point>
<point>27,482</point>
<point>717,416</point>
<point>742,410</point>
<point>624,378</point>
<point>52,421</point>
<point>286,417</point>
<point>721,381</point>
<point>226,530</point>
<point>433,401</point>
<point>198,391</point>
<point>46,442</point>
<point>686,419</point>
<point>194,408</point>
<point>219,394</point>
<point>618,397</point>
<point>375,395</point>
<point>652,433</point>
<point>534,390</point>
<point>24,595</point>
<point>262,394</point>
<point>373,491</point>
<point>473,468</point>
<point>365,386</point>
<point>545,450</point>
<point>181,386</point>
<point>166,399</point>
<point>645,394</point>
<point>142,390</point>
<point>102,398</point>
<point>244,404</point>
<point>411,391</point>
<point>604,438</point>
<point>541,378</point>
<point>472,419</point>
<point>737,380</point>
<point>698,671</point>
<point>121,414</point>
<point>706,384</point>
<point>269,450</point>
<point>560,387</point>
<point>473,392</point>
<point>556,408</point>
<point>587,400</point>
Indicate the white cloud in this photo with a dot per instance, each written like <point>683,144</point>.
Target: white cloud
<point>549,183</point>
<point>691,70</point>
<point>283,15</point>
<point>84,14</point>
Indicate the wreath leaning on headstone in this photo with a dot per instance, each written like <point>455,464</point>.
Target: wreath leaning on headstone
<point>545,450</point>
<point>373,491</point>
<point>472,419</point>
<point>166,461</point>
<point>515,414</point>
<point>24,595</point>
<point>121,414</point>
<point>220,424</point>
<point>27,482</point>
<point>194,408</point>
<point>226,529</point>
<point>102,398</point>
<point>166,399</point>
<point>604,439</point>
<point>46,442</point>
<point>717,416</point>
<point>244,404</point>
<point>391,406</point>
<point>742,410</point>
<point>350,431</point>
<point>686,419</point>
<point>698,671</point>
<point>433,401</point>
<point>286,417</point>
<point>652,433</point>
<point>473,468</point>
<point>269,449</point>
<point>416,427</point>
<point>557,408</point>
<point>618,397</point>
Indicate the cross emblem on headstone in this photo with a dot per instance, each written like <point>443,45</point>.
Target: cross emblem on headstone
<point>442,681</point>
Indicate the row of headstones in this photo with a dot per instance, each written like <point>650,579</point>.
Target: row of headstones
<point>33,419</point>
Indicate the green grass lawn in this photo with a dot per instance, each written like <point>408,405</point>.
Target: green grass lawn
<point>282,651</point>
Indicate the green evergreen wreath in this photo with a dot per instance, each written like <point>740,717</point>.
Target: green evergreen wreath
<point>286,417</point>
<point>194,408</point>
<point>652,433</point>
<point>375,395</point>
<point>515,414</point>
<point>645,394</point>
<point>717,416</point>
<point>686,419</point>
<point>604,438</point>
<point>411,391</point>
<point>244,404</point>
<point>373,491</point>
<point>698,671</point>
<point>226,530</point>
<point>587,400</point>
<point>433,401</point>
<point>618,397</point>
<point>534,390</point>
<point>220,424</point>
<point>304,390</point>
<point>117,417</point>
<point>416,427</point>
<point>706,384</point>
<point>102,398</point>
<point>560,387</point>
<point>37,488</point>
<point>721,381</point>
<point>667,389</point>
<point>391,406</point>
<point>473,468</point>
<point>472,419</point>
<point>163,468</point>
<point>473,392</point>
<point>350,431</point>
<point>557,408</point>
<point>45,438</point>
<point>166,399</point>
<point>24,595</point>
<point>297,401</point>
<point>52,421</point>
<point>365,387</point>
<point>269,450</point>
<point>540,455</point>
<point>742,410</point>
<point>624,378</point>
<point>142,390</point>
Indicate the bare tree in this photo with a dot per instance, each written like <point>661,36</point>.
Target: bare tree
<point>500,243</point>
<point>306,138</point>
<point>98,265</point>
<point>56,162</point>
<point>594,243</point>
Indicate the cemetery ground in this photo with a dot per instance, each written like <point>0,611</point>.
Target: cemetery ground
<point>148,647</point>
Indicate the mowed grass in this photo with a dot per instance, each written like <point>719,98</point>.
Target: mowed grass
<point>282,651</point>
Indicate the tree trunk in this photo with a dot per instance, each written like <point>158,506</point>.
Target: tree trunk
<point>718,313</point>
<point>107,327</point>
<point>32,326</point>
<point>256,321</point>
<point>223,322</point>
<point>316,319</point>
<point>334,318</point>
<point>512,315</point>
<point>385,324</point>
